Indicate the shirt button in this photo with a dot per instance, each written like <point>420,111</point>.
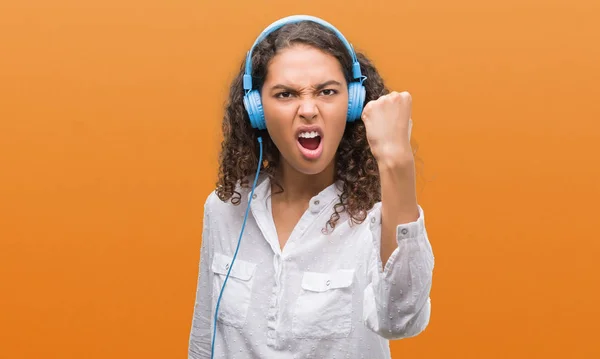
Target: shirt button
<point>328,282</point>
<point>227,266</point>
<point>404,231</point>
<point>316,202</point>
<point>254,196</point>
<point>372,219</point>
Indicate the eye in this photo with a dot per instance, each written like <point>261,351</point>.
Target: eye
<point>329,92</point>
<point>283,95</point>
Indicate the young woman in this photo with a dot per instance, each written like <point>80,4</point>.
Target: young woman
<point>326,255</point>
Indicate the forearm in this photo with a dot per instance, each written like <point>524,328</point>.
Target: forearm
<point>398,200</point>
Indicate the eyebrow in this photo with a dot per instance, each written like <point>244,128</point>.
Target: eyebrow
<point>318,87</point>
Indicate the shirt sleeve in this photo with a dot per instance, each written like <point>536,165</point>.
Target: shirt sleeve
<point>201,331</point>
<point>396,302</point>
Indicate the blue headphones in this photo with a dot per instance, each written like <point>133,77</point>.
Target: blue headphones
<point>252,101</point>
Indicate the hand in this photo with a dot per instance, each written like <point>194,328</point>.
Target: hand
<point>388,124</point>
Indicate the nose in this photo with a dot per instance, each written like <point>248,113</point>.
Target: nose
<point>308,109</point>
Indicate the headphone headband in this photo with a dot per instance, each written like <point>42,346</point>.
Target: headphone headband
<point>356,73</point>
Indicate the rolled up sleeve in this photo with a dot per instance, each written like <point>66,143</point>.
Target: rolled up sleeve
<point>397,302</point>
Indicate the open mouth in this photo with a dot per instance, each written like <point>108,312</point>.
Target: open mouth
<point>310,144</point>
<point>309,140</point>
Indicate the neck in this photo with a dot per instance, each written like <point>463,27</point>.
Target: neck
<point>299,187</point>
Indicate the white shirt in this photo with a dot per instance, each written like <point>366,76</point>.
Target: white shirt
<point>322,296</point>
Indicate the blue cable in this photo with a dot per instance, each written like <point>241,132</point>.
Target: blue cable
<point>212,350</point>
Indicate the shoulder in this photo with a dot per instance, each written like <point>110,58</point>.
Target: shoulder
<point>375,211</point>
<point>216,211</point>
<point>214,204</point>
<point>211,201</point>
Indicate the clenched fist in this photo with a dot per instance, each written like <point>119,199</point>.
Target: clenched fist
<point>388,124</point>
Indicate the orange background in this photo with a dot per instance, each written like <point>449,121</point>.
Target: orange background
<point>110,127</point>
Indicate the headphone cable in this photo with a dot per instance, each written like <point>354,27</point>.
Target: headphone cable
<point>212,350</point>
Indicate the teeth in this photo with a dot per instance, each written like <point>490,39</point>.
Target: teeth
<point>312,134</point>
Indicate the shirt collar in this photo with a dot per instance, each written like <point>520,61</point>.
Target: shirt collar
<point>328,194</point>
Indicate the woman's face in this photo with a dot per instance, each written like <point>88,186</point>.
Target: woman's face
<point>305,100</point>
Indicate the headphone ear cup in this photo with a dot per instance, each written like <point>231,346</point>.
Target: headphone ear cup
<point>253,105</point>
<point>356,100</point>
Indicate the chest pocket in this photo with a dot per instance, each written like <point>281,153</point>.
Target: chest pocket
<point>324,305</point>
<point>235,300</point>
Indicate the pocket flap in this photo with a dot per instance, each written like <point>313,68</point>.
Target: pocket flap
<point>321,282</point>
<point>241,269</point>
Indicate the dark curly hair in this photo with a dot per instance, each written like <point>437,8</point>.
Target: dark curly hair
<point>355,165</point>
